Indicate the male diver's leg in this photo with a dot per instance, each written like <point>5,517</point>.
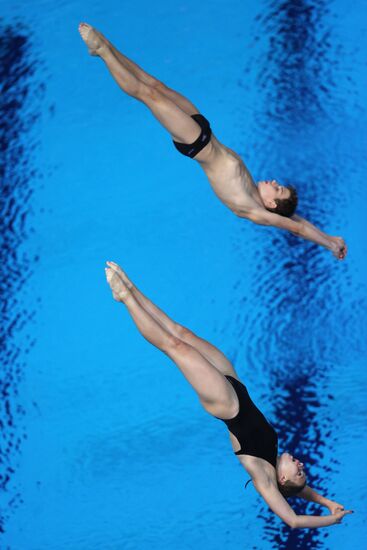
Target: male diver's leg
<point>180,100</point>
<point>215,393</point>
<point>210,352</point>
<point>178,123</point>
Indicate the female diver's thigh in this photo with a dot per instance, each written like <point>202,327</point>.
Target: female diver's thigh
<point>215,393</point>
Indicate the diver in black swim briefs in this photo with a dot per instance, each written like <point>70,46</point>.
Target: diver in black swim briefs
<point>267,203</point>
<point>221,393</point>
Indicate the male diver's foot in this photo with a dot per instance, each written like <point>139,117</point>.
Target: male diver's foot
<point>120,292</point>
<point>95,41</point>
<point>121,272</point>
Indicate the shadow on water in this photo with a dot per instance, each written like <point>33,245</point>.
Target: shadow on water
<point>301,316</point>
<point>17,68</point>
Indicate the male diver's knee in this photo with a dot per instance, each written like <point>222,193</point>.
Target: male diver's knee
<point>159,86</point>
<point>148,93</point>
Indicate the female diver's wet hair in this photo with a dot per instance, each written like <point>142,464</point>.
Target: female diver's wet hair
<point>286,207</point>
<point>290,489</point>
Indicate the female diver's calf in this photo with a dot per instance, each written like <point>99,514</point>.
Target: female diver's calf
<point>267,203</point>
<point>224,396</point>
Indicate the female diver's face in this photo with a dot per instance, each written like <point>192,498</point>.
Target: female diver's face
<point>291,469</point>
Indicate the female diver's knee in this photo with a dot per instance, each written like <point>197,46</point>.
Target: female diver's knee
<point>182,332</point>
<point>174,345</point>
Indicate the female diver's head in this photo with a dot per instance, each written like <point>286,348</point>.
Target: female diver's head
<point>291,477</point>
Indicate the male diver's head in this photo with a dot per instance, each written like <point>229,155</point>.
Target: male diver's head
<point>278,198</point>
<point>291,477</point>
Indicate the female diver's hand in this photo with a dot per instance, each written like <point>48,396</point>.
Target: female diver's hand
<point>334,507</point>
<point>338,516</point>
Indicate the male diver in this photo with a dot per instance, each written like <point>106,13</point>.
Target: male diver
<point>267,203</point>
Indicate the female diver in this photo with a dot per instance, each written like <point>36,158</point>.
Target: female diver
<point>267,203</point>
<point>223,395</point>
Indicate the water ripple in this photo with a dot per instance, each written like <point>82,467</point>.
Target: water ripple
<point>17,69</point>
<point>307,308</point>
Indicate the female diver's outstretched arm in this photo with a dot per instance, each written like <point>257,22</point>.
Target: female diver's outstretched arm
<point>312,496</point>
<point>268,489</point>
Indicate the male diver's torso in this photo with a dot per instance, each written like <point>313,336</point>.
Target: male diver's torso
<point>230,179</point>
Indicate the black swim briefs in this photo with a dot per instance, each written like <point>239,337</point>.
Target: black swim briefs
<point>191,150</point>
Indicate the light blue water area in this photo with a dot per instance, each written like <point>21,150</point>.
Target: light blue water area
<point>104,444</point>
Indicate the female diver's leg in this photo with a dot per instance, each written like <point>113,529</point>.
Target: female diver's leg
<point>178,123</point>
<point>215,393</point>
<point>213,354</point>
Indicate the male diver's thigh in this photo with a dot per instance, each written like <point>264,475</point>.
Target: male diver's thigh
<point>180,100</point>
<point>182,127</point>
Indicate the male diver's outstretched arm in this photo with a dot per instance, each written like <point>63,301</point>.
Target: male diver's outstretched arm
<point>301,228</point>
<point>312,496</point>
<point>277,503</point>
<point>335,244</point>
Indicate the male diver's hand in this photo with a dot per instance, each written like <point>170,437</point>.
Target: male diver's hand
<point>338,247</point>
<point>338,516</point>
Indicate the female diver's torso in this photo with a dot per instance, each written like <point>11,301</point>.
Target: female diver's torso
<point>253,432</point>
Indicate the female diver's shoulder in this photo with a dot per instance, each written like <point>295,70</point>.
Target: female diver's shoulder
<point>260,470</point>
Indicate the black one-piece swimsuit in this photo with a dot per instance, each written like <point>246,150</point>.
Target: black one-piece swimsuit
<point>255,434</point>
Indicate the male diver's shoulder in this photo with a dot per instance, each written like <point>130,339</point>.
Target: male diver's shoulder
<point>257,215</point>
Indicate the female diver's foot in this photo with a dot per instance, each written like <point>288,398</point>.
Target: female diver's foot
<point>120,292</point>
<point>95,41</point>
<point>124,277</point>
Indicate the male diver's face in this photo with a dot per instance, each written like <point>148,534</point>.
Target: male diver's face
<point>270,190</point>
<point>290,469</point>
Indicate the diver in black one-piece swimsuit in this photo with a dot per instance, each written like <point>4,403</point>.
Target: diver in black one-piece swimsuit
<point>254,433</point>
<point>223,395</point>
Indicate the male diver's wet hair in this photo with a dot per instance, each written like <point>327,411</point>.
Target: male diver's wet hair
<point>290,489</point>
<point>286,207</point>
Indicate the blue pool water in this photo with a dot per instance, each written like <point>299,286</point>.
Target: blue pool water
<point>104,444</point>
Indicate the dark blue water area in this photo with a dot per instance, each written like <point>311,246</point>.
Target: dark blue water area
<point>104,444</point>
<point>21,94</point>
